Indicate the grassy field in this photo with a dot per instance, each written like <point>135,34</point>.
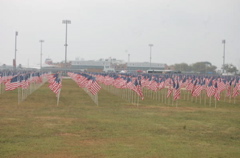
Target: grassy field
<point>78,128</point>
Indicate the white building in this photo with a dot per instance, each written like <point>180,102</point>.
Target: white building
<point>110,63</point>
<point>144,66</point>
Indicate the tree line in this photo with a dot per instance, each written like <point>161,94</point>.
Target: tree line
<point>203,67</point>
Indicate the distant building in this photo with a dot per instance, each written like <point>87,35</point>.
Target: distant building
<point>6,67</point>
<point>114,65</point>
<point>48,61</point>
<point>144,66</point>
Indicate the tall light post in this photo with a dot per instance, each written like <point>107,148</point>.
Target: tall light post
<point>223,41</point>
<point>66,22</point>
<point>128,61</point>
<point>41,41</point>
<point>128,58</point>
<point>150,45</point>
<point>15,59</point>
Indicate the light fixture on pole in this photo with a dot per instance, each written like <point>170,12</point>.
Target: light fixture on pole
<point>150,45</point>
<point>15,58</point>
<point>41,41</point>
<point>66,22</point>
<point>223,41</point>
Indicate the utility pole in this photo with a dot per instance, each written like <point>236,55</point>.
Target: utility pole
<point>223,41</point>
<point>15,59</point>
<point>41,41</point>
<point>66,22</point>
<point>150,45</point>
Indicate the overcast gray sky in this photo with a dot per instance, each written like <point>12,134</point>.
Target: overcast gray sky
<point>180,30</point>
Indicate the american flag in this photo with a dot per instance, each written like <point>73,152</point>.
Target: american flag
<point>217,93</point>
<point>211,90</point>
<point>170,89</point>
<point>161,84</point>
<point>176,91</point>
<point>190,85</point>
<point>12,84</point>
<point>229,88</point>
<point>236,90</point>
<point>57,86</point>
<point>138,88</point>
<point>95,87</point>
<point>221,86</point>
<point>55,83</point>
<point>197,90</point>
<point>129,84</point>
<point>153,85</point>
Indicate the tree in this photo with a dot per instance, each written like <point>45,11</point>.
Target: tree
<point>183,67</point>
<point>230,68</point>
<point>204,67</point>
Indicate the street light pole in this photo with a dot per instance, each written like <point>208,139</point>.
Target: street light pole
<point>223,41</point>
<point>128,60</point>
<point>41,41</point>
<point>66,22</point>
<point>150,45</point>
<point>15,59</point>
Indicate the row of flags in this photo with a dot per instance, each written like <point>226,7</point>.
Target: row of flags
<point>23,80</point>
<point>195,85</point>
<point>13,80</point>
<point>86,81</point>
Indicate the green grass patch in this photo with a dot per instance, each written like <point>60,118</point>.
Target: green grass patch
<point>78,128</point>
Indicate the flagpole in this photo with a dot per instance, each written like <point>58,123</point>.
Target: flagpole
<point>165,94</point>
<point>225,95</point>
<point>138,100</point>
<point>230,98</point>
<point>184,94</point>
<point>205,98</point>
<point>215,103</point>
<point>97,98</point>
<point>201,98</point>
<point>210,102</point>
<point>19,94</point>
<point>58,96</point>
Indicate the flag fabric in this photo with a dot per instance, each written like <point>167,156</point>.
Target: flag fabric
<point>12,84</point>
<point>170,89</point>
<point>176,91</point>
<point>197,89</point>
<point>217,93</point>
<point>95,87</point>
<point>211,90</point>
<point>138,88</point>
<point>55,83</point>
<point>236,90</point>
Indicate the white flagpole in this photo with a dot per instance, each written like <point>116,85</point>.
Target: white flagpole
<point>210,101</point>
<point>58,96</point>
<point>19,93</point>
<point>138,100</point>
<point>215,103</point>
